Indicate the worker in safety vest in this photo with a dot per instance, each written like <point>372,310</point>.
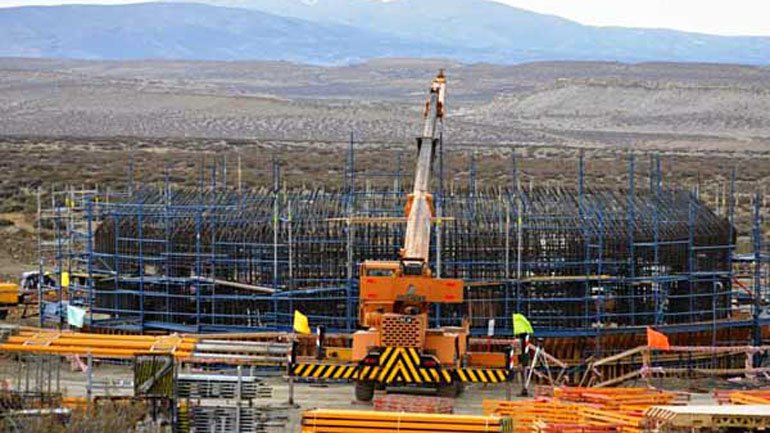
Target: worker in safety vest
<point>522,330</point>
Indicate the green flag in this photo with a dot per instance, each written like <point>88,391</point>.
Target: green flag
<point>521,325</point>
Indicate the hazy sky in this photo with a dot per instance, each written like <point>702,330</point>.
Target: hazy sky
<point>728,17</point>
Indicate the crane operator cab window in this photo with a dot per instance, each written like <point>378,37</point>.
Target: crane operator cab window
<point>380,272</point>
<point>412,267</point>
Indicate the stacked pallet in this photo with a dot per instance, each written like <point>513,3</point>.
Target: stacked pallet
<point>413,404</point>
<point>526,413</point>
<point>351,421</point>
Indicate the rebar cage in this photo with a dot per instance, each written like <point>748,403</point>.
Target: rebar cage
<point>577,261</point>
<point>210,260</point>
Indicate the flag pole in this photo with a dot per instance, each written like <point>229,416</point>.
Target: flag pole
<point>292,361</point>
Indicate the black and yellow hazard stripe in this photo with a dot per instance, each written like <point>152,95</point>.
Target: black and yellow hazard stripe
<point>482,375</point>
<point>325,371</point>
<point>400,365</point>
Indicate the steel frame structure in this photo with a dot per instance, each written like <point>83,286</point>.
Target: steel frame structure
<point>577,261</point>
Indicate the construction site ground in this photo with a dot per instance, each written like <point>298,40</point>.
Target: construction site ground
<point>118,380</point>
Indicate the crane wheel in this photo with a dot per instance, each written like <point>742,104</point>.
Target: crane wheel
<point>364,391</point>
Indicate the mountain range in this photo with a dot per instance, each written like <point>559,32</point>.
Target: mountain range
<point>347,31</point>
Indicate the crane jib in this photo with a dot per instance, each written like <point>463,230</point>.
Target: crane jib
<point>420,207</point>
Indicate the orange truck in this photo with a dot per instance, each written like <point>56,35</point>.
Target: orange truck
<point>396,347</point>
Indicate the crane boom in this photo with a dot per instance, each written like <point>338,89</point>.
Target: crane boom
<point>419,208</point>
<point>397,346</point>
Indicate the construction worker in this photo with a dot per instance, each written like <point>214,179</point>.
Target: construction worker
<point>522,330</point>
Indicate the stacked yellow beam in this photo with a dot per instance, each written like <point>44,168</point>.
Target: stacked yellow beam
<point>616,398</point>
<point>618,409</point>
<point>98,345</point>
<point>526,413</point>
<point>352,421</point>
<point>626,422</point>
<point>750,397</point>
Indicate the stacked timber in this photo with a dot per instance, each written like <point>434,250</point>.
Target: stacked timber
<point>344,421</point>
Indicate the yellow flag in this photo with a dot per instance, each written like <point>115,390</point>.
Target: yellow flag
<point>65,279</point>
<point>300,323</point>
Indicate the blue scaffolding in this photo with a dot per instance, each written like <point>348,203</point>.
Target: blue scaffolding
<point>577,261</point>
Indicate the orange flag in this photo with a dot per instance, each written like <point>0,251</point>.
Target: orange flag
<point>657,340</point>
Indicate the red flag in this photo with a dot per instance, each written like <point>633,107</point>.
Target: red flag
<point>657,340</point>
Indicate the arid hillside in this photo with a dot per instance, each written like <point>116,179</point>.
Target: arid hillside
<point>649,106</point>
<point>75,124</point>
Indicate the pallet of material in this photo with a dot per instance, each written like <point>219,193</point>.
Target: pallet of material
<point>352,421</point>
<point>413,403</point>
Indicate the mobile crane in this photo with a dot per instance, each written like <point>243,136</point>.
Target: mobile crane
<point>394,296</point>
<point>396,347</point>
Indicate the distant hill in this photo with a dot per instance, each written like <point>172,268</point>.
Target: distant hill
<point>483,30</point>
<point>188,31</point>
<point>345,31</point>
